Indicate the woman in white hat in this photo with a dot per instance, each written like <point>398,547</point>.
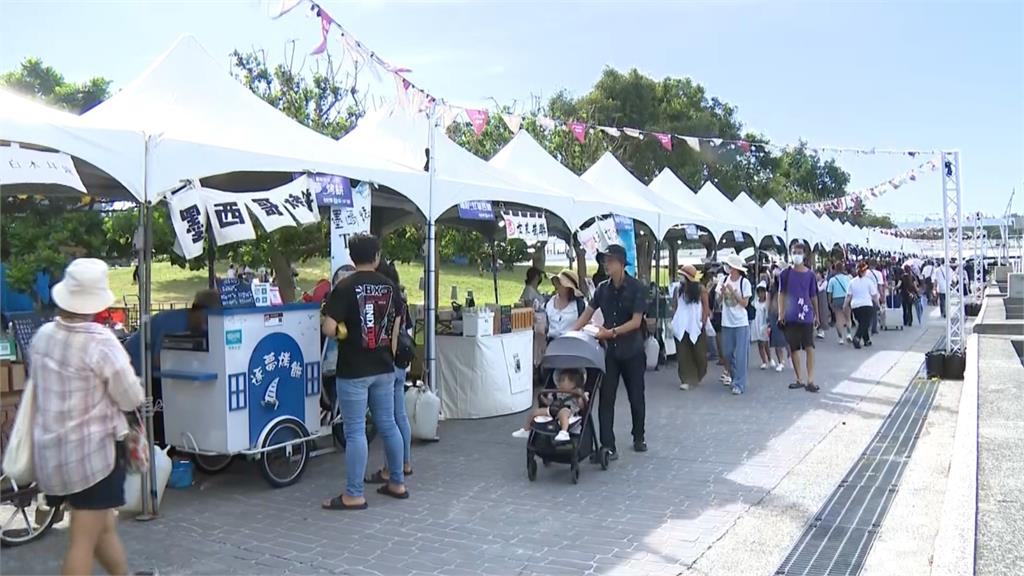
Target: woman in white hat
<point>83,383</point>
<point>735,293</point>
<point>688,321</point>
<point>566,306</point>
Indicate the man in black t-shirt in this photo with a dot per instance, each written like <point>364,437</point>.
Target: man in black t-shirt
<point>622,300</point>
<point>361,315</point>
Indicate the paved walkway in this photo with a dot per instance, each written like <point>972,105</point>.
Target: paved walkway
<point>712,456</point>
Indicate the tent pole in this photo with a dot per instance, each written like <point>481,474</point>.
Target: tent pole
<point>150,506</point>
<point>211,257</point>
<point>430,288</point>
<point>657,291</point>
<point>494,270</point>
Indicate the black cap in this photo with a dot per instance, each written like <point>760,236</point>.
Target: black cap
<point>616,251</point>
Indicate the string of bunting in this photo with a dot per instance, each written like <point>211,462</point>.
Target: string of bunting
<point>854,199</point>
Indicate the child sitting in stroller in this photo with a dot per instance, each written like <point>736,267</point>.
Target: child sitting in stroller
<point>563,404</point>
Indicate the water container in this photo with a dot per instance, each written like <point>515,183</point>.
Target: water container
<point>424,409</point>
<point>934,363</point>
<point>954,366</point>
<point>181,474</point>
<point>133,483</point>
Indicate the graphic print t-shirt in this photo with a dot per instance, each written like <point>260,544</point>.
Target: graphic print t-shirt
<point>365,303</point>
<point>800,289</point>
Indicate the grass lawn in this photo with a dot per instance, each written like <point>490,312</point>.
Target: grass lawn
<point>177,285</point>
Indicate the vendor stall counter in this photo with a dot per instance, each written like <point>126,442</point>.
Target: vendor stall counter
<point>485,376</point>
<point>250,386</point>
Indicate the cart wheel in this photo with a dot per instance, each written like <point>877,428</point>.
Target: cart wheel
<point>212,464</point>
<point>574,473</point>
<point>531,467</point>
<point>284,466</point>
<point>24,513</point>
<point>603,458</point>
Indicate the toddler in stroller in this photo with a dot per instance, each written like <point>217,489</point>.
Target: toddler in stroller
<point>558,409</point>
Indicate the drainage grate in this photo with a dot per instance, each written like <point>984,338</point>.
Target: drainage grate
<point>842,532</point>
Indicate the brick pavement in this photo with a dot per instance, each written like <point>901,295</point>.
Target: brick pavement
<point>472,511</point>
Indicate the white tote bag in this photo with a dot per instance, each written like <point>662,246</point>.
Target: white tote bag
<point>18,461</point>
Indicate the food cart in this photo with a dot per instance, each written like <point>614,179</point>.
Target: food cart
<point>249,387</point>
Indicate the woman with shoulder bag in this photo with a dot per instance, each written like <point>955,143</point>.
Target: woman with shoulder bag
<point>566,306</point>
<point>689,319</point>
<point>83,383</point>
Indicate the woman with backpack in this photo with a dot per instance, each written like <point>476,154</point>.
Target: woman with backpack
<point>566,306</point>
<point>736,293</point>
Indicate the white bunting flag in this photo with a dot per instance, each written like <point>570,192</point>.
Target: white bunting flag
<point>513,121</point>
<point>614,132</point>
<point>546,123</point>
<point>268,208</point>
<point>188,218</point>
<point>692,142</point>
<point>229,216</point>
<point>298,200</point>
<point>632,132</point>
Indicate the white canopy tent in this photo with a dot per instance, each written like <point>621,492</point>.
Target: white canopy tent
<point>713,202</point>
<point>622,190</point>
<point>672,191</point>
<point>119,154</point>
<point>527,159</point>
<point>766,222</point>
<point>459,176</point>
<point>200,122</point>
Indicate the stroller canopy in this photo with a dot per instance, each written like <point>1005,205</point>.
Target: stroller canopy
<point>574,350</point>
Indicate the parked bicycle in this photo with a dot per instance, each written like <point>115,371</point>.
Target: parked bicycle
<point>24,513</point>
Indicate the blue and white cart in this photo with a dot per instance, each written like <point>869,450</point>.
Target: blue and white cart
<point>250,388</point>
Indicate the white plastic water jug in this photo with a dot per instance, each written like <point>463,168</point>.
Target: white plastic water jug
<point>424,409</point>
<point>133,483</point>
<point>652,350</point>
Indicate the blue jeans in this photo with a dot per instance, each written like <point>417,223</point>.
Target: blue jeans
<point>919,308</point>
<point>377,391</point>
<point>401,417</point>
<point>736,348</point>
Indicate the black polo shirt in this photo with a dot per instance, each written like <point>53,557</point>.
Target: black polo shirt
<point>617,305</point>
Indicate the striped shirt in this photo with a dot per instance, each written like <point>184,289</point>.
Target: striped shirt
<point>83,381</point>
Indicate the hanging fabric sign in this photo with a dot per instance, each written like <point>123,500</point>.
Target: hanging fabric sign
<point>348,221</point>
<point>627,239</point>
<point>268,208</point>
<point>598,236</point>
<point>476,210</point>
<point>21,166</point>
<point>228,216</point>
<point>530,227</point>
<point>298,200</point>
<point>188,218</point>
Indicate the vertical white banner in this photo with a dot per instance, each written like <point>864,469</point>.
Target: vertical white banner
<point>229,216</point>
<point>188,218</point>
<point>348,221</point>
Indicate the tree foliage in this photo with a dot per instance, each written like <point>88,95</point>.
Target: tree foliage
<point>33,78</point>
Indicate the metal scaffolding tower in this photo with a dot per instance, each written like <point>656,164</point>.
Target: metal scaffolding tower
<point>1004,232</point>
<point>980,243</point>
<point>952,242</point>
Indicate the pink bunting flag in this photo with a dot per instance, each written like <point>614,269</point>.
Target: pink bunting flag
<point>479,120</point>
<point>325,27</point>
<point>579,130</point>
<point>745,146</point>
<point>665,139</point>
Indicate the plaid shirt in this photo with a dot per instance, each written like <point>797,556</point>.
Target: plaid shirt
<point>83,381</point>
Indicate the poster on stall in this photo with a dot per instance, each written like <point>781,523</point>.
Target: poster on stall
<point>330,190</point>
<point>530,227</point>
<point>627,239</point>
<point>346,221</point>
<point>598,236</point>
<point>476,210</point>
<point>261,294</point>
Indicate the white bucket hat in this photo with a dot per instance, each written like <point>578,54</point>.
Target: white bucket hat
<point>85,288</point>
<point>735,262</point>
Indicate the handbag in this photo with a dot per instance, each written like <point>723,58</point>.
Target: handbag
<point>19,463</point>
<point>137,447</point>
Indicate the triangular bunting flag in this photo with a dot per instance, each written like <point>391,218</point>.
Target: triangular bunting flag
<point>745,146</point>
<point>665,139</point>
<point>546,123</point>
<point>325,27</point>
<point>632,132</point>
<point>614,132</point>
<point>579,130</point>
<point>513,121</point>
<point>715,141</point>
<point>478,118</point>
<point>692,143</point>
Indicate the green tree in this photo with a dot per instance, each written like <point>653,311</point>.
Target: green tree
<point>33,78</point>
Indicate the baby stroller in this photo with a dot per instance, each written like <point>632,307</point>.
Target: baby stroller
<point>575,350</point>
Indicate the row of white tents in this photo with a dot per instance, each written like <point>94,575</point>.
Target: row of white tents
<point>185,117</point>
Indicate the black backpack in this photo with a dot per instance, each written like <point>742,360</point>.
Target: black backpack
<point>751,311</point>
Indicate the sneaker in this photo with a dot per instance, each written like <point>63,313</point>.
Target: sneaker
<point>639,446</point>
<point>849,337</point>
<point>841,341</point>
<point>684,386</point>
<point>726,380</point>
<point>764,366</point>
<point>868,343</point>
<point>779,368</point>
<point>856,343</point>
<point>795,385</point>
<point>773,364</point>
<point>521,433</point>
<point>821,335</point>
<point>562,436</point>
<point>736,391</point>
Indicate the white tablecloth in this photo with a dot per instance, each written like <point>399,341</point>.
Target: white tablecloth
<point>486,376</point>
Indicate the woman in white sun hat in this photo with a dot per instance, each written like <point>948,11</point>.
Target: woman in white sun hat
<point>83,383</point>
<point>735,292</point>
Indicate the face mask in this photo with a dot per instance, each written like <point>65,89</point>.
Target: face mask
<point>798,259</point>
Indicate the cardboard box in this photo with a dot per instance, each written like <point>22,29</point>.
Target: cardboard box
<point>5,376</point>
<point>17,377</point>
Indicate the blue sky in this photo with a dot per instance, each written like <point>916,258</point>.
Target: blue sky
<point>863,74</point>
